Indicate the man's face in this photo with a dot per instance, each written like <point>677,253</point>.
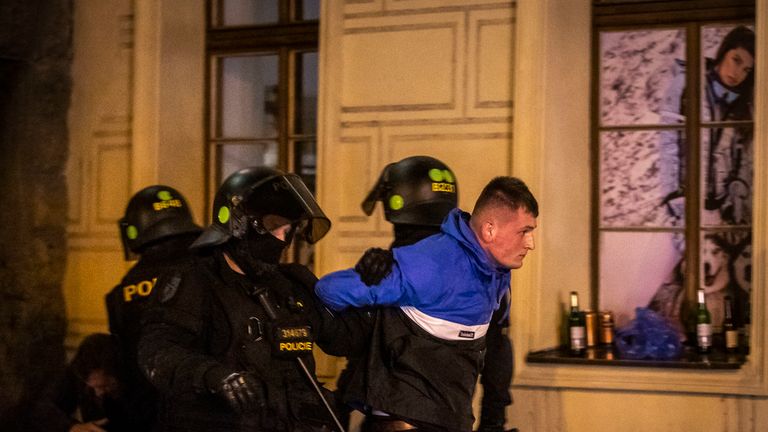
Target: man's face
<point>279,226</point>
<point>513,237</point>
<point>102,384</point>
<point>714,262</point>
<point>735,66</point>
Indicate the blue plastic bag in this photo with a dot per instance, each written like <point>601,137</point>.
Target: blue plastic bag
<point>648,336</point>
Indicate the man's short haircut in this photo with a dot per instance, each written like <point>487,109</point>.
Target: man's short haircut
<point>510,192</point>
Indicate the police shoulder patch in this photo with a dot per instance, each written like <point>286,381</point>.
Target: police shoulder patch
<point>169,288</point>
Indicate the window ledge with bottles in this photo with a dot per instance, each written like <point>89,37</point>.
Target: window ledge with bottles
<point>608,356</point>
<point>648,341</point>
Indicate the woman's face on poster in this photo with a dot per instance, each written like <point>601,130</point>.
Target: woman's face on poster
<point>735,67</point>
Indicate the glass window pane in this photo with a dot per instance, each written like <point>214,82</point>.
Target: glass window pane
<point>233,157</point>
<point>249,97</point>
<point>727,65</point>
<point>305,162</point>
<point>726,176</point>
<point>642,77</point>
<point>651,274</point>
<point>249,12</point>
<point>306,93</point>
<point>726,269</point>
<point>641,178</point>
<point>310,10</point>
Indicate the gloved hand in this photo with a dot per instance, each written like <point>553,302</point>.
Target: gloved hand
<point>375,265</point>
<point>243,391</point>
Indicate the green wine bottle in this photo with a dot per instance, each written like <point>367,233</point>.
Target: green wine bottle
<point>577,326</point>
<point>703,325</point>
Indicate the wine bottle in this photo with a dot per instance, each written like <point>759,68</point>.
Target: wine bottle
<point>729,328</point>
<point>703,325</point>
<point>577,326</point>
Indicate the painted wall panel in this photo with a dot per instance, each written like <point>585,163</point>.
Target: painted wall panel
<point>490,37</point>
<point>384,71</point>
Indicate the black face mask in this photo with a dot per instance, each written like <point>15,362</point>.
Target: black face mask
<point>257,253</point>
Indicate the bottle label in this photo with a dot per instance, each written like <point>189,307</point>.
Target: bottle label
<point>704,335</point>
<point>731,339</point>
<point>578,335</point>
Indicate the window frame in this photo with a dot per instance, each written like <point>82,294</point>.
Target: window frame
<point>641,15</point>
<point>287,39</point>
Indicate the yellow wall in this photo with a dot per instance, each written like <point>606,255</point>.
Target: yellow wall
<point>99,164</point>
<point>136,119</point>
<point>402,77</point>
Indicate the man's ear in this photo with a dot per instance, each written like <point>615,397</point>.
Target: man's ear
<point>488,231</point>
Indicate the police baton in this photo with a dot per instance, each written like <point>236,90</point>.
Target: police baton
<point>261,293</point>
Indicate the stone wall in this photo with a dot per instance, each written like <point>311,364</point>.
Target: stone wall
<point>35,85</point>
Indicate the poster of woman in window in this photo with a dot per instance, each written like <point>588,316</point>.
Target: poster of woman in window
<point>726,113</point>
<point>644,110</point>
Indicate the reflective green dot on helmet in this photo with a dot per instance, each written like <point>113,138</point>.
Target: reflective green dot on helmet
<point>436,174</point>
<point>396,202</point>
<point>223,215</point>
<point>131,232</point>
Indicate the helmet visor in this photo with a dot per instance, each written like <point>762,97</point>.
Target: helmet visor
<point>288,196</point>
<point>377,193</point>
<point>128,255</point>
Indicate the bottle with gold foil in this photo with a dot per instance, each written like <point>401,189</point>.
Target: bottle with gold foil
<point>731,334</point>
<point>703,325</point>
<point>576,327</point>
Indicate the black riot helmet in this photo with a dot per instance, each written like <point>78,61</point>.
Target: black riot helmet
<point>249,194</point>
<point>418,190</point>
<point>154,213</point>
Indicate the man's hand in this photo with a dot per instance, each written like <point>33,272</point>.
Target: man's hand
<point>241,390</point>
<point>94,426</point>
<point>374,265</point>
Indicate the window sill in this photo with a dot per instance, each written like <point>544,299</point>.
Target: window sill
<point>607,356</point>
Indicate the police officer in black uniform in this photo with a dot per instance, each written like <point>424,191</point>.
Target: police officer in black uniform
<point>230,341</point>
<point>157,228</point>
<point>416,211</point>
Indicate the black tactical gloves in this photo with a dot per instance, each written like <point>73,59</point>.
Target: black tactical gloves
<point>241,390</point>
<point>374,265</point>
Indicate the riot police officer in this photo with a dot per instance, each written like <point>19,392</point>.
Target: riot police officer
<point>230,336</point>
<point>416,209</point>
<point>157,228</point>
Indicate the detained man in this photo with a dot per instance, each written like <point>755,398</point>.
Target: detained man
<point>427,350</point>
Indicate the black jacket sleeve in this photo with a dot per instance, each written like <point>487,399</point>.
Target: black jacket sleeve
<point>338,334</point>
<point>172,350</point>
